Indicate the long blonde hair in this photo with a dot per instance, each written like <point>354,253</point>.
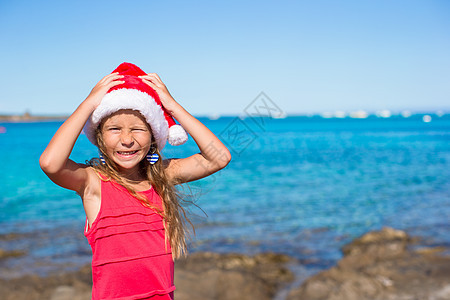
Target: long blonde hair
<point>173,213</point>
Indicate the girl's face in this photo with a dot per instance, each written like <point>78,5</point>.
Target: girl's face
<point>127,139</point>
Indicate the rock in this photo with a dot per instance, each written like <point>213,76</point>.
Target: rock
<point>14,253</point>
<point>10,236</point>
<point>230,276</point>
<point>200,276</point>
<point>375,246</point>
<point>442,294</point>
<point>430,250</point>
<point>379,244</point>
<point>72,285</point>
<point>380,265</point>
<point>63,292</point>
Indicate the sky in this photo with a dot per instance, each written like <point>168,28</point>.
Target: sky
<point>215,57</point>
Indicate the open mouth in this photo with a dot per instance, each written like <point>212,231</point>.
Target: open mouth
<point>127,153</point>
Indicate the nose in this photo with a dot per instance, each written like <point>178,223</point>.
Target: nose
<point>126,138</point>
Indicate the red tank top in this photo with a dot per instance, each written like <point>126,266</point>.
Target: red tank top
<point>129,257</point>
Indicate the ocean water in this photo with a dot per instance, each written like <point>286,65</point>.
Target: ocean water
<point>303,186</point>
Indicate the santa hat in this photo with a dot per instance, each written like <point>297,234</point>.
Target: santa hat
<point>136,95</point>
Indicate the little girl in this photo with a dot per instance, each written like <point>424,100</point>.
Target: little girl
<point>135,224</point>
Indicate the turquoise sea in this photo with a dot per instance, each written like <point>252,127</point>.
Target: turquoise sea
<point>301,185</point>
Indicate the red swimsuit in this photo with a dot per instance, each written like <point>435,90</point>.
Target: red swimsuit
<point>130,259</point>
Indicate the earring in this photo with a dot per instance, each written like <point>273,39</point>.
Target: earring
<point>152,158</point>
<point>102,159</point>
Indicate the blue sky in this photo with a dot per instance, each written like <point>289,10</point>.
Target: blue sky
<point>216,57</point>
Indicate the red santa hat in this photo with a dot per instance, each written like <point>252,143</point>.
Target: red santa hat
<point>137,95</point>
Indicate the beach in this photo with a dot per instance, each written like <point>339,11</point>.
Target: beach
<point>294,195</point>
<point>386,264</point>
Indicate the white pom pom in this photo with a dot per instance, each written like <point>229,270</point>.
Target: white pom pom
<point>177,135</point>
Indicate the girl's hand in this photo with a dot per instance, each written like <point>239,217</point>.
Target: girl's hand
<point>153,80</point>
<point>213,154</point>
<point>102,87</point>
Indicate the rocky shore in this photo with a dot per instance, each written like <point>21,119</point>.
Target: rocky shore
<point>382,265</point>
<point>386,264</point>
<point>202,276</point>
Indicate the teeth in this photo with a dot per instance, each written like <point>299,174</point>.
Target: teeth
<point>126,152</point>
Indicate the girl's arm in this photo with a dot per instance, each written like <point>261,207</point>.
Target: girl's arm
<point>213,154</point>
<point>55,160</point>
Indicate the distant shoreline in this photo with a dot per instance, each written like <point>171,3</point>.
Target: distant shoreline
<point>29,118</point>
<point>426,116</point>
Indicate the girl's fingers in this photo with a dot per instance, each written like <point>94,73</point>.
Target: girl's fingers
<point>115,76</point>
<point>154,84</point>
<point>109,76</point>
<point>156,76</point>
<point>114,83</point>
<point>108,82</point>
<point>153,77</point>
<point>112,78</point>
<point>151,84</point>
<point>148,77</point>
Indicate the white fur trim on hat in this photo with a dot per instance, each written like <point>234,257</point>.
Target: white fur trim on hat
<point>177,135</point>
<point>130,99</point>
